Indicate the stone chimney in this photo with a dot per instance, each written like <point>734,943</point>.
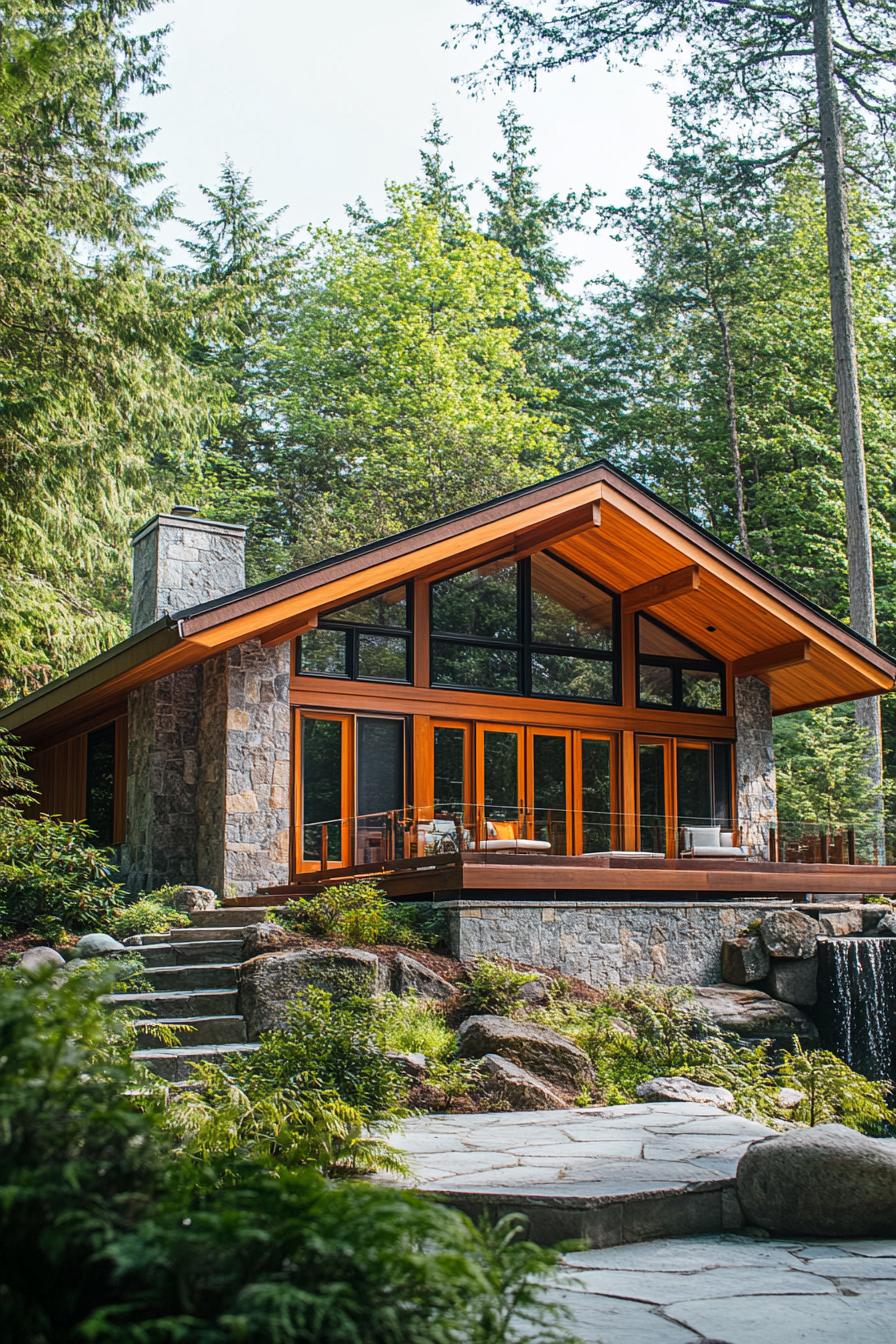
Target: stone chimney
<point>180,561</point>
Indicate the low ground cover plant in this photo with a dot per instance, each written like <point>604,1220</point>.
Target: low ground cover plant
<point>414,1025</point>
<point>495,987</point>
<point>358,911</point>
<point>144,1238</point>
<point>147,915</point>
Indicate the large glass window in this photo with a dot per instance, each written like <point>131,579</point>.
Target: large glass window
<point>675,674</point>
<point>369,640</point>
<point>533,627</point>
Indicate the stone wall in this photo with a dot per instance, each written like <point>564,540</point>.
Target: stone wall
<point>604,942</point>
<point>244,773</point>
<point>755,781</point>
<point>163,767</point>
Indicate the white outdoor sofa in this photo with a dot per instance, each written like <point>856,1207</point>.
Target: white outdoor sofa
<point>710,842</point>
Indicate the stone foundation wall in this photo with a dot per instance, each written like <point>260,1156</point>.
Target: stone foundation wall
<point>604,942</point>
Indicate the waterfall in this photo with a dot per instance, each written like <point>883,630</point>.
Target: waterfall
<point>857,1002</point>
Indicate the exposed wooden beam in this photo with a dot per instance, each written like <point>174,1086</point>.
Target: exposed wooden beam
<point>517,545</point>
<point>783,655</point>
<point>677,583</point>
<point>290,629</point>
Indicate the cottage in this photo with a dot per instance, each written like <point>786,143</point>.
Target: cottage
<point>567,689</point>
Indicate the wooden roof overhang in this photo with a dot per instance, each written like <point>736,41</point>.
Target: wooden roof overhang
<point>597,518</point>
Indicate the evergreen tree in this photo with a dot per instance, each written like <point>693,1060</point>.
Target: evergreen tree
<point>407,395</point>
<point>243,273</point>
<point>529,225</point>
<point>95,387</point>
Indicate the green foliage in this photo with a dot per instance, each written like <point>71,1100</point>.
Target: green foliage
<point>494,987</point>
<point>833,1093</point>
<point>147,915</point>
<point>17,788</point>
<point>413,1025</point>
<point>454,1078</point>
<point>327,1046</point>
<point>96,389</point>
<point>418,924</point>
<point>149,1232</point>
<point>820,756</point>
<point>404,337</point>
<point>355,911</point>
<point>292,1126</point>
<point>52,878</point>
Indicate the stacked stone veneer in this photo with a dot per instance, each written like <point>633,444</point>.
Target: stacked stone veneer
<point>604,942</point>
<point>243,794</point>
<point>208,746</point>
<point>755,781</point>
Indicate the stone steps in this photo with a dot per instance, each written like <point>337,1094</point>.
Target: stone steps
<point>193,975</point>
<point>197,953</point>
<point>229,916</point>
<point>212,975</point>
<point>220,1029</point>
<point>175,1064</point>
<point>179,1003</point>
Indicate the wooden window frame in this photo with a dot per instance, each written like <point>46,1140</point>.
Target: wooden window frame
<point>353,630</point>
<point>701,662</point>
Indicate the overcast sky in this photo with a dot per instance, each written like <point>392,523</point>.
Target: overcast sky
<point>322,103</point>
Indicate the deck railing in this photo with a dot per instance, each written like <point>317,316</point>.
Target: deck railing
<point>488,830</point>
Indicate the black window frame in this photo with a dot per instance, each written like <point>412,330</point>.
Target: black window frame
<point>104,737</point>
<point>353,629</point>
<point>701,662</point>
<point>524,646</point>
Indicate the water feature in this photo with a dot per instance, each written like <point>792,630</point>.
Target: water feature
<point>856,1011</point>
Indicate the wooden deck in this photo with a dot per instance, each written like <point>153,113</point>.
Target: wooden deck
<point>543,876</point>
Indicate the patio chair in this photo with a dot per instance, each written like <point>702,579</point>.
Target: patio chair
<point>710,842</point>
<point>501,837</point>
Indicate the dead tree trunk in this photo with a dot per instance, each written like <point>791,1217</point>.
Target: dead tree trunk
<point>846,371</point>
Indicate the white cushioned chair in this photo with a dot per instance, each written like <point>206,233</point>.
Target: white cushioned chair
<point>710,842</point>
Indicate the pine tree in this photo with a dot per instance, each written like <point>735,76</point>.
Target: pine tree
<point>95,387</point>
<point>243,272</point>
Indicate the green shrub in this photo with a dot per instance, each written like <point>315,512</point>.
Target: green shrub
<point>418,924</point>
<point>355,911</point>
<point>833,1093</point>
<point>413,1025</point>
<point>147,915</point>
<point>53,878</point>
<point>493,987</point>
<point>328,1046</point>
<point>141,1241</point>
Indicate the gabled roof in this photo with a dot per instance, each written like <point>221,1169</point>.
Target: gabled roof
<point>597,517</point>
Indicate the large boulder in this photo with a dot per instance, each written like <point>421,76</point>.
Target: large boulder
<point>752,1014</point>
<point>269,983</point>
<point>261,938</point>
<point>98,945</point>
<point>794,981</point>
<point>518,1090</point>
<point>789,933</point>
<point>886,926</point>
<point>744,960</point>
<point>410,976</point>
<point>539,1049</point>
<point>840,923</point>
<point>37,958</point>
<point>828,1181</point>
<point>872,916</point>
<point>189,899</point>
<point>685,1089</point>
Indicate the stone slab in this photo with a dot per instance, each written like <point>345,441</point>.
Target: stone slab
<point>605,1175</point>
<point>731,1289</point>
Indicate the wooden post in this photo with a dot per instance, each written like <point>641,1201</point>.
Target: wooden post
<point>851,844</point>
<point>323,848</point>
<point>773,844</point>
<point>823,842</point>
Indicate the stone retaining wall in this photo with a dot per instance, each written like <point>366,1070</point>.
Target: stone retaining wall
<point>605,942</point>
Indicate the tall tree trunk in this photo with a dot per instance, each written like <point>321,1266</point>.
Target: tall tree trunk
<point>721,318</point>
<point>846,371</point>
